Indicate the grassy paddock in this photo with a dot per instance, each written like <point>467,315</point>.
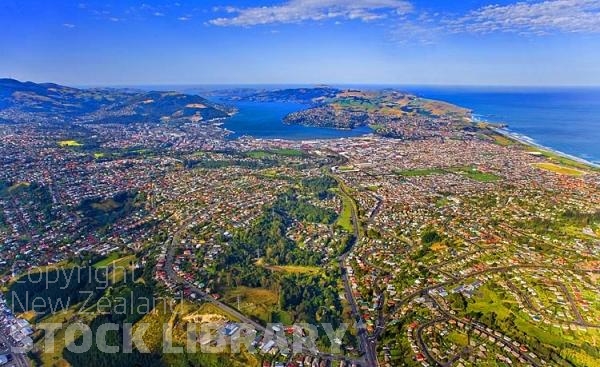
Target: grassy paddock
<point>69,144</point>
<point>296,269</point>
<point>559,169</point>
<point>420,172</point>
<point>254,302</point>
<point>345,217</point>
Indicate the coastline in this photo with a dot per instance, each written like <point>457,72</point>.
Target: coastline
<point>528,141</point>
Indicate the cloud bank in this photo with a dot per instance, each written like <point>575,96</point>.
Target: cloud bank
<point>297,11</point>
<point>551,16</point>
<point>524,17</point>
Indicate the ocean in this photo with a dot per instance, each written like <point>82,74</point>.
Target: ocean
<point>566,120</point>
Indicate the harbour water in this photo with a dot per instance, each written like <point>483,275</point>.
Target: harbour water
<point>265,120</point>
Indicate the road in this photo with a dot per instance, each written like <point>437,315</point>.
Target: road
<point>418,335</point>
<point>367,347</point>
<point>19,360</point>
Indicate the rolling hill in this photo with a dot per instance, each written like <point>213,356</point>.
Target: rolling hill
<point>47,102</point>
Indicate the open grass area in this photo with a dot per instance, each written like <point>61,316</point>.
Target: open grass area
<point>269,174</point>
<point>255,302</point>
<point>562,160</point>
<point>345,217</point>
<point>210,309</point>
<point>458,338</point>
<point>258,154</point>
<point>121,267</point>
<point>107,261</point>
<point>296,269</point>
<point>261,154</point>
<point>420,172</point>
<point>106,205</point>
<point>69,144</point>
<point>17,186</point>
<point>580,358</point>
<point>99,155</point>
<point>282,317</point>
<point>65,318</point>
<point>502,140</point>
<point>475,174</point>
<point>288,152</point>
<point>559,169</point>
<point>488,301</point>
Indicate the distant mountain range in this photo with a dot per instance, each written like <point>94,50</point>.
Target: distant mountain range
<point>28,101</point>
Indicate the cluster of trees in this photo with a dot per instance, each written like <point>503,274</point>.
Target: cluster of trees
<point>291,205</point>
<point>30,192</point>
<point>581,218</point>
<point>311,298</point>
<point>266,236</point>
<point>4,185</point>
<point>233,159</point>
<point>56,290</point>
<point>135,295</point>
<point>428,238</point>
<point>105,212</point>
<point>320,186</point>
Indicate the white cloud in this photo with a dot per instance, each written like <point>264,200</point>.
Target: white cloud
<point>159,14</point>
<point>69,25</point>
<point>541,17</point>
<point>296,11</point>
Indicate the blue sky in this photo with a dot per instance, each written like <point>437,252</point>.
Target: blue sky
<point>468,42</point>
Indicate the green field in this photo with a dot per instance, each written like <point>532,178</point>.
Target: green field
<point>106,205</point>
<point>107,261</point>
<point>69,144</point>
<point>458,338</point>
<point>488,301</point>
<point>288,152</point>
<point>121,267</point>
<point>345,218</point>
<point>261,154</point>
<point>559,169</point>
<point>258,154</point>
<point>559,159</point>
<point>475,174</point>
<point>420,172</point>
<point>296,269</point>
<point>502,140</point>
<point>255,302</point>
